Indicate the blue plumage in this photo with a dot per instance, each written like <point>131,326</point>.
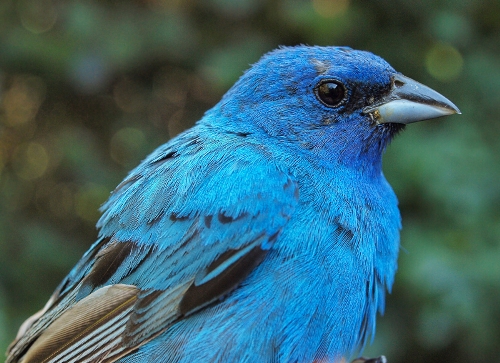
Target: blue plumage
<point>265,233</point>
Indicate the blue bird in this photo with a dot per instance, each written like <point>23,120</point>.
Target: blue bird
<point>265,233</point>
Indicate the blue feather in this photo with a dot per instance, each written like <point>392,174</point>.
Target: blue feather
<point>265,233</point>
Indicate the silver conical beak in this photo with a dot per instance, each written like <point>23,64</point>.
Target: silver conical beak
<point>410,101</point>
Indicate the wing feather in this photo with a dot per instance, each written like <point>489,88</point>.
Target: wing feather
<point>170,244</point>
<point>91,318</point>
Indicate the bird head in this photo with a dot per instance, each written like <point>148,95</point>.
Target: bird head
<point>333,104</point>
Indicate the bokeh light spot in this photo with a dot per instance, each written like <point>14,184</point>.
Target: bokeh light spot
<point>22,100</point>
<point>30,161</point>
<point>451,27</point>
<point>330,8</point>
<point>444,62</point>
<point>126,144</point>
<point>37,16</point>
<point>90,72</point>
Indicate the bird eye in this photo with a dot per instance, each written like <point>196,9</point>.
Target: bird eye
<point>330,93</point>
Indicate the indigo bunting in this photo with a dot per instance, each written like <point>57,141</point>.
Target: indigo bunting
<point>265,233</point>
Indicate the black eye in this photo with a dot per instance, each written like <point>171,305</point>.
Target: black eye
<point>330,93</point>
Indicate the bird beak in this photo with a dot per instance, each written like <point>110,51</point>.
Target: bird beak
<point>410,101</point>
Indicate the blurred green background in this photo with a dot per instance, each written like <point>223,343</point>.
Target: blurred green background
<point>89,88</point>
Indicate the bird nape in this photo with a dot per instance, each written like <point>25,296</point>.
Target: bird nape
<point>265,233</point>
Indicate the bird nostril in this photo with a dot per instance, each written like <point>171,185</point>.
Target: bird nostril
<point>398,83</point>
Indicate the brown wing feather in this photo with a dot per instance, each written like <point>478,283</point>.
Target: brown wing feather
<point>92,327</point>
<point>116,319</point>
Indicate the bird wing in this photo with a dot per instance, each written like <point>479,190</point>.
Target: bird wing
<point>183,230</point>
